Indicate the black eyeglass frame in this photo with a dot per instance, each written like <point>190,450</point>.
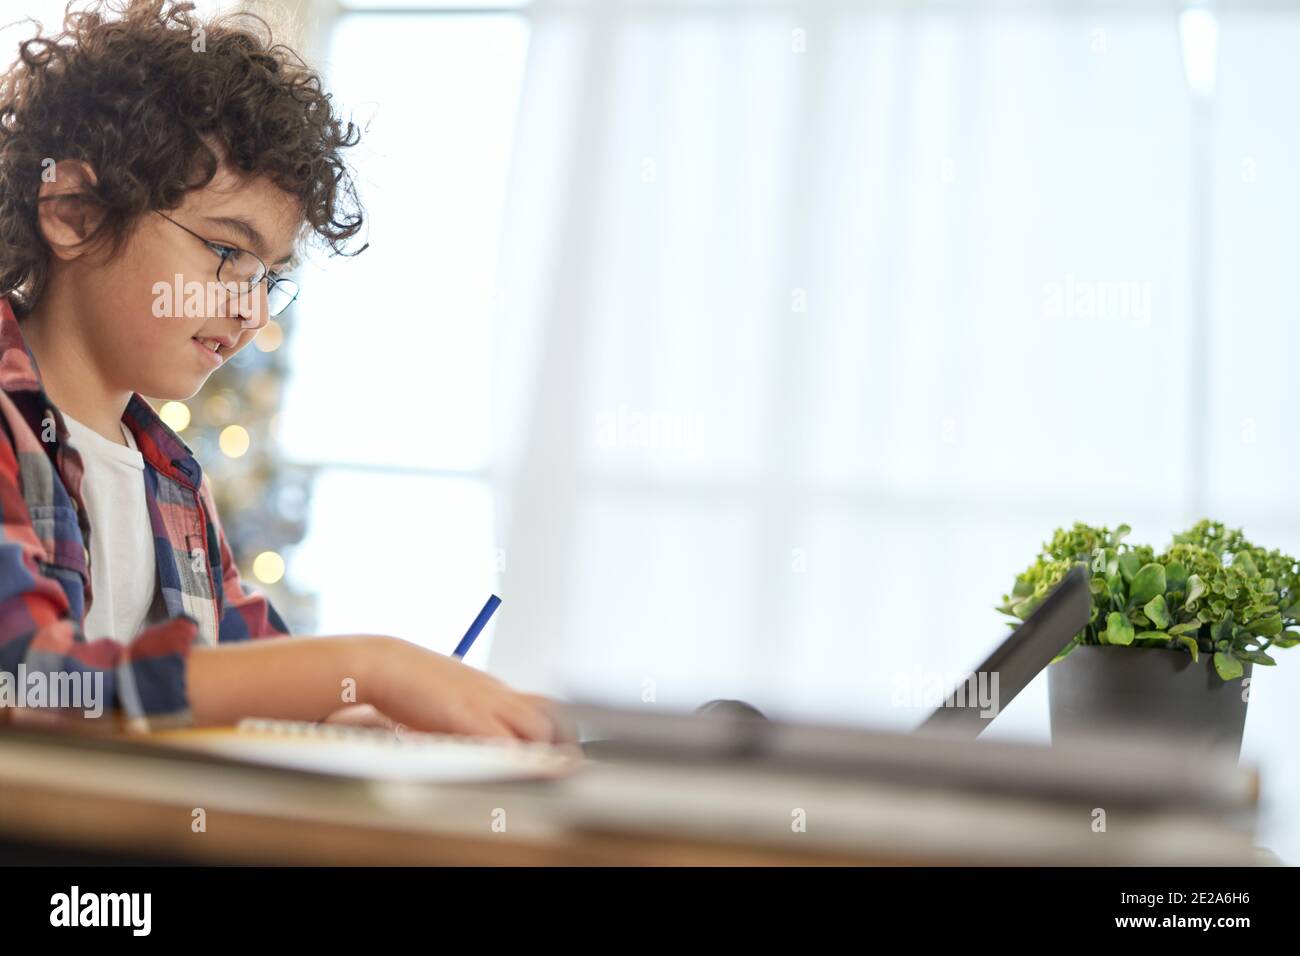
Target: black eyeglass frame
<point>225,252</point>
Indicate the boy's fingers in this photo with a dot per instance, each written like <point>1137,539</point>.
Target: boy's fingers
<point>563,729</point>
<point>489,725</point>
<point>528,720</point>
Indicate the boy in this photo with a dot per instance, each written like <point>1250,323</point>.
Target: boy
<point>141,149</point>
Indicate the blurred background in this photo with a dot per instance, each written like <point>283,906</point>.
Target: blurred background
<point>750,349</point>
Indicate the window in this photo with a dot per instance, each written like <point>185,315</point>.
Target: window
<point>389,391</point>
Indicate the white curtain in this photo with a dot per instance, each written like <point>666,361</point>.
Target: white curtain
<point>816,320</point>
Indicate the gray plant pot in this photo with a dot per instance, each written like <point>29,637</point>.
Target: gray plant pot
<point>1152,690</point>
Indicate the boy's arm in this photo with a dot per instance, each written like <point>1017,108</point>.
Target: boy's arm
<point>304,678</point>
<point>247,613</point>
<point>289,678</point>
<point>348,678</point>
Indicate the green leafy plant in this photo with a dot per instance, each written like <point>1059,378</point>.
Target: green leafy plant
<point>1210,592</point>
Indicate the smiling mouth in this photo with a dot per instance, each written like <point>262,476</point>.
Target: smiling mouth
<point>210,346</point>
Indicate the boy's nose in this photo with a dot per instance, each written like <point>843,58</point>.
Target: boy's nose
<point>252,309</point>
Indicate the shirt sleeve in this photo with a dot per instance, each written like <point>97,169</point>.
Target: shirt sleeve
<point>47,665</point>
<point>246,614</point>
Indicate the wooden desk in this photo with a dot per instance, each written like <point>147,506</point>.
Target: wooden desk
<point>101,802</point>
<point>120,802</point>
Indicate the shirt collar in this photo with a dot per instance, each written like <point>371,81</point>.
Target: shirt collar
<point>155,440</point>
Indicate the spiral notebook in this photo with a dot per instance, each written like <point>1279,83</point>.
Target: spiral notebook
<point>374,753</point>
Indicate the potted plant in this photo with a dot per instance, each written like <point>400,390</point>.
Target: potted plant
<point>1172,637</point>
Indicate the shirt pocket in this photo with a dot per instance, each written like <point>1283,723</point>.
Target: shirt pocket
<point>66,558</point>
<point>60,533</point>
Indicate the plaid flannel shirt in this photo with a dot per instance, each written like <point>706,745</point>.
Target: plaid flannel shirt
<point>45,574</point>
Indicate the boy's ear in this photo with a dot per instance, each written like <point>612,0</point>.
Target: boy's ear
<point>66,219</point>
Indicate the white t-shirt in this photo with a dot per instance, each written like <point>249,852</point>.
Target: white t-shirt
<point>122,561</point>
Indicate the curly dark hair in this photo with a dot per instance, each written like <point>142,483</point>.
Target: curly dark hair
<point>142,91</point>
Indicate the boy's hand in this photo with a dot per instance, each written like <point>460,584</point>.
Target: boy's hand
<point>399,682</point>
<point>427,691</point>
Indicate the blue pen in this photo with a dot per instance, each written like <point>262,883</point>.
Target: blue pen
<point>480,622</point>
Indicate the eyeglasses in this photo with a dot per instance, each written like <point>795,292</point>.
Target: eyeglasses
<point>242,267</point>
